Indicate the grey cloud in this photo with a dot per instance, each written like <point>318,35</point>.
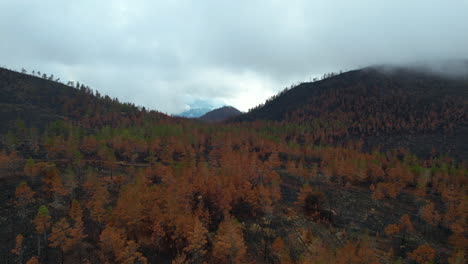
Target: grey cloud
<point>166,54</point>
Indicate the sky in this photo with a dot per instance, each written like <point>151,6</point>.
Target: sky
<point>175,55</point>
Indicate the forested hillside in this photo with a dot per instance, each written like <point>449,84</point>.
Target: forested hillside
<point>221,114</point>
<point>385,107</point>
<point>35,101</point>
<point>87,179</point>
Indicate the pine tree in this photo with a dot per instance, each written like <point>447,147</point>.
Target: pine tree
<point>42,224</point>
<point>228,244</point>
<point>196,241</point>
<point>115,248</point>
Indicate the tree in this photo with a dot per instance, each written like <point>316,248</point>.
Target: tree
<point>33,260</point>
<point>423,254</point>
<point>89,145</point>
<point>378,193</point>
<point>76,233</point>
<point>273,160</point>
<point>8,161</point>
<point>180,259</point>
<point>107,155</point>
<point>54,183</point>
<point>391,229</point>
<point>356,253</point>
<point>430,215</point>
<point>402,228</point>
<point>60,237</point>
<point>115,248</point>
<point>76,213</point>
<point>405,224</point>
<point>280,253</point>
<point>458,239</point>
<point>196,241</point>
<point>129,209</point>
<point>228,244</point>
<point>42,224</point>
<point>98,198</point>
<point>457,257</point>
<point>18,250</point>
<point>24,196</point>
<point>28,168</point>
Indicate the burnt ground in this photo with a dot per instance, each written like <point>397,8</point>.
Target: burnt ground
<point>352,209</point>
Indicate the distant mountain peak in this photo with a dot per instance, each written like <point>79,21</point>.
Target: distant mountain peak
<point>221,114</point>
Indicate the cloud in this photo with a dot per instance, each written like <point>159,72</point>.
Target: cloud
<point>166,54</point>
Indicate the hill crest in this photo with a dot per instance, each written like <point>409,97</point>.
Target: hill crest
<point>221,114</point>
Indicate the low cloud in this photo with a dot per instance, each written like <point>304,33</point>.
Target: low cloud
<point>166,54</point>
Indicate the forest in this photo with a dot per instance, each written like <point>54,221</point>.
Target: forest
<point>88,179</point>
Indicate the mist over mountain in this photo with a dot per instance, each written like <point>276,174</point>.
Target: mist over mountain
<point>194,112</point>
<point>210,54</point>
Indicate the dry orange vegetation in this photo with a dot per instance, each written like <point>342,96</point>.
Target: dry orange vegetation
<point>122,185</point>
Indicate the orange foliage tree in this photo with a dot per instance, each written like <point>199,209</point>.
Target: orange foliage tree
<point>197,241</point>
<point>18,250</point>
<point>430,215</point>
<point>228,244</point>
<point>33,260</point>
<point>279,252</point>
<point>42,224</point>
<point>115,248</point>
<point>423,254</point>
<point>60,236</point>
<point>356,253</point>
<point>24,196</point>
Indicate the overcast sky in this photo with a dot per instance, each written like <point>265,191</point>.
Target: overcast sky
<point>169,55</point>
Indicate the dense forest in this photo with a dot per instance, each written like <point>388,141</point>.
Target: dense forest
<point>312,176</point>
<point>401,107</point>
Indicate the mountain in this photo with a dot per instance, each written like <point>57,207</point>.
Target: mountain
<point>87,179</point>
<point>221,114</point>
<point>37,101</point>
<point>194,112</point>
<point>386,107</point>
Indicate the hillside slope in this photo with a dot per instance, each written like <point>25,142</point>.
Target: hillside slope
<point>38,101</point>
<point>397,108</point>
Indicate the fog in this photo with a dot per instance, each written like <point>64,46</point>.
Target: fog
<point>173,55</point>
